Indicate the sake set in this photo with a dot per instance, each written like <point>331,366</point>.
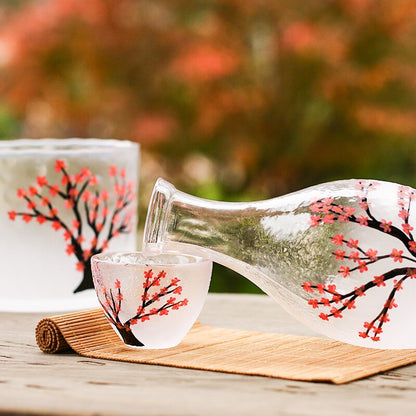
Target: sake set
<point>340,256</point>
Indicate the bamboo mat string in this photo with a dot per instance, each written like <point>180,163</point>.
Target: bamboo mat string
<point>226,350</point>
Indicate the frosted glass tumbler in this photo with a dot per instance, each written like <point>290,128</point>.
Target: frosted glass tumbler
<point>61,202</point>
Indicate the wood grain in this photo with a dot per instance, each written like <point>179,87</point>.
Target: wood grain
<point>32,382</point>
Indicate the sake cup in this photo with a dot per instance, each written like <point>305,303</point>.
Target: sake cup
<point>151,300</point>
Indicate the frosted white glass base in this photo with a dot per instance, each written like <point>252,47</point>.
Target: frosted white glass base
<point>85,300</point>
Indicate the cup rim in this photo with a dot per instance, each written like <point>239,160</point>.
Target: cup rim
<point>105,258</point>
<point>65,145</point>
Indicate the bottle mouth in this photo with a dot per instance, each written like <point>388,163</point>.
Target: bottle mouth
<point>156,219</point>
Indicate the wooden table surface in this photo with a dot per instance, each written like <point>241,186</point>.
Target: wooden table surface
<point>35,383</point>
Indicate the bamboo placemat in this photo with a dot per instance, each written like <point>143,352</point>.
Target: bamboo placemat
<point>226,350</point>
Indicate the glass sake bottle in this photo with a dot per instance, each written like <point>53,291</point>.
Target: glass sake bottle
<point>340,256</point>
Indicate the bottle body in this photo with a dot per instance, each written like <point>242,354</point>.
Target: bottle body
<point>331,255</point>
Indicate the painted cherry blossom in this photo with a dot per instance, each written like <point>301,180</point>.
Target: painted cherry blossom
<point>87,207</point>
<point>159,298</point>
<point>354,257</point>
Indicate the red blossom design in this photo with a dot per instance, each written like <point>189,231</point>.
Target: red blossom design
<point>307,286</point>
<point>323,316</point>
<point>21,193</point>
<point>113,171</point>
<point>327,211</point>
<point>41,180</point>
<point>59,165</point>
<point>89,209</point>
<point>397,255</point>
<point>27,217</point>
<point>155,289</point>
<point>338,240</point>
<point>40,219</point>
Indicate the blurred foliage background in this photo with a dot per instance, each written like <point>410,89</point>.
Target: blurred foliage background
<point>230,99</point>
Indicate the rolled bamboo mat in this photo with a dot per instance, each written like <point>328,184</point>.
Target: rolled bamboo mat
<point>225,350</point>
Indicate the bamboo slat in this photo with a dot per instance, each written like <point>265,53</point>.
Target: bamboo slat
<point>285,356</point>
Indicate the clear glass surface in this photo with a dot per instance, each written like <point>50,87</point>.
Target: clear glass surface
<point>151,301</point>
<point>61,201</point>
<point>340,256</point>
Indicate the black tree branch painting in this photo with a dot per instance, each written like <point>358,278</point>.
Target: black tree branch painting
<point>86,208</point>
<point>355,258</point>
<point>159,297</point>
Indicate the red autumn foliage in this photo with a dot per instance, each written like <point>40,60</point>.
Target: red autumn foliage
<point>268,91</point>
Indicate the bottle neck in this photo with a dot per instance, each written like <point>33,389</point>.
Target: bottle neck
<point>157,214</point>
<point>175,216</point>
<point>247,237</point>
<point>230,233</point>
